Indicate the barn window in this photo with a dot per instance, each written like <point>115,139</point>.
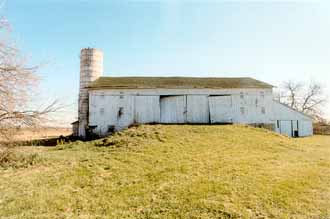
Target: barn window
<point>120,111</point>
<point>242,110</point>
<point>102,111</point>
<point>241,95</point>
<point>263,110</point>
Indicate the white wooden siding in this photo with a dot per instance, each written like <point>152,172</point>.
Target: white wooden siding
<point>126,104</point>
<point>305,128</point>
<point>189,106</point>
<point>198,109</point>
<point>147,109</point>
<point>286,128</point>
<point>220,109</point>
<point>173,109</point>
<point>281,112</point>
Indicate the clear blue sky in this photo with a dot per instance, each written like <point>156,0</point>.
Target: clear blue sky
<point>272,41</point>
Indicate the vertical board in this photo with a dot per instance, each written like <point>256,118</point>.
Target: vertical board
<point>173,109</point>
<point>126,107</point>
<point>286,127</point>
<point>198,109</point>
<point>305,128</point>
<point>111,110</point>
<point>147,109</point>
<point>220,109</point>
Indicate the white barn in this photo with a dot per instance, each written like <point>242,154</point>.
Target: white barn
<point>108,104</point>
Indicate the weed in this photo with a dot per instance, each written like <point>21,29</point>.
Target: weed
<point>12,159</point>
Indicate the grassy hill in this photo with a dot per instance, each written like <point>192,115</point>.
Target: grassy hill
<point>172,172</point>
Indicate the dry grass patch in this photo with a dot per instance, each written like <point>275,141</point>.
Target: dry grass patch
<point>10,158</point>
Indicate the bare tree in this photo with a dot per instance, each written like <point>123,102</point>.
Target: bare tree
<point>305,98</point>
<point>292,89</point>
<point>18,82</point>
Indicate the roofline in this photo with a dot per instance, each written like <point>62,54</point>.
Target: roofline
<point>171,88</point>
<point>186,77</point>
<point>304,114</point>
<point>266,85</point>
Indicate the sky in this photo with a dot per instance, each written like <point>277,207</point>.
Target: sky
<point>273,41</point>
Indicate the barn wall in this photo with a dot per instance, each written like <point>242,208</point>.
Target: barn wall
<point>121,108</point>
<point>287,119</point>
<point>251,101</point>
<point>120,111</point>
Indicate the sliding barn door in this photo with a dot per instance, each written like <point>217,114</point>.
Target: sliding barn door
<point>147,109</point>
<point>220,109</point>
<point>198,109</point>
<point>173,109</point>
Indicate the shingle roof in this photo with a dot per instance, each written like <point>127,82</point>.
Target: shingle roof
<point>175,82</point>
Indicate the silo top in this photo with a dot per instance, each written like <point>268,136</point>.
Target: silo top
<point>91,51</point>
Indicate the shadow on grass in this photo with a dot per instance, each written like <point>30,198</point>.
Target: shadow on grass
<point>48,142</point>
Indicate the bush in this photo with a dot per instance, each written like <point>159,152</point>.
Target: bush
<point>11,159</point>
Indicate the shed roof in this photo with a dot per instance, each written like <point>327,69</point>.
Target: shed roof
<point>175,82</point>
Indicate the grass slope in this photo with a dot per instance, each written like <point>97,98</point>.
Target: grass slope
<point>174,172</point>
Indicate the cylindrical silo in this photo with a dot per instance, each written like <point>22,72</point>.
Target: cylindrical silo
<point>91,68</point>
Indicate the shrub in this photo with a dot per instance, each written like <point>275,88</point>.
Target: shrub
<point>11,159</point>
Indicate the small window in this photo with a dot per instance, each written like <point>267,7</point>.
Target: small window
<point>241,95</point>
<point>102,111</point>
<point>263,110</point>
<point>278,124</point>
<point>242,110</point>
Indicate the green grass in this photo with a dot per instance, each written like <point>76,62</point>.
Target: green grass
<point>174,172</point>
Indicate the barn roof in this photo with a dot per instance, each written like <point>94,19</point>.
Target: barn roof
<point>175,82</point>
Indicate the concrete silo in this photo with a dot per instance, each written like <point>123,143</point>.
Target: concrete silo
<point>91,68</point>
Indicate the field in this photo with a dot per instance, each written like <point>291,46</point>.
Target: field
<point>171,172</point>
<point>34,134</point>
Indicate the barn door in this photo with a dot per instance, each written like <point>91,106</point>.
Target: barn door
<point>286,127</point>
<point>197,109</point>
<point>220,109</point>
<point>147,109</point>
<point>173,109</point>
<point>295,128</point>
<point>289,128</point>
